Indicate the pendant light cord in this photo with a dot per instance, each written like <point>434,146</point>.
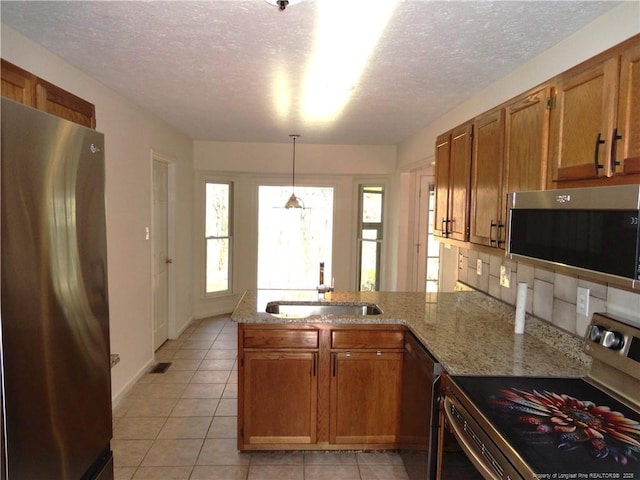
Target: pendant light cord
<point>293,179</point>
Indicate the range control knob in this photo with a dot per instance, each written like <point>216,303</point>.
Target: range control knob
<point>612,340</point>
<point>595,333</point>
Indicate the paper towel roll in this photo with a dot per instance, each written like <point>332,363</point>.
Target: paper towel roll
<point>521,307</point>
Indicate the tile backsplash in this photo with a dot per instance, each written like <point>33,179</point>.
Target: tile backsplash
<point>551,296</point>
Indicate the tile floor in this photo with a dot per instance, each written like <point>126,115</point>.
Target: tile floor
<point>181,424</point>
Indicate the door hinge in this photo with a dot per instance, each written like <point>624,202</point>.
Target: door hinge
<point>550,103</point>
<point>242,362</point>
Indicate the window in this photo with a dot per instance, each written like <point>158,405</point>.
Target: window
<point>370,237</point>
<point>433,246</point>
<point>218,237</point>
<point>293,242</point>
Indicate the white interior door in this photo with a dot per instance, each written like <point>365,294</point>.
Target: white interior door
<point>160,253</point>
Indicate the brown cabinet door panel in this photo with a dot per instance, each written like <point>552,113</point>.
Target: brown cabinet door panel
<point>365,397</point>
<point>280,397</point>
<point>627,149</point>
<point>486,178</point>
<point>18,84</point>
<point>443,161</point>
<point>61,103</point>
<point>460,182</point>
<point>583,120</point>
<point>527,142</point>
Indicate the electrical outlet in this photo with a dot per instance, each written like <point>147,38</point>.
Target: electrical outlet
<point>582,302</point>
<point>479,267</point>
<point>505,276</point>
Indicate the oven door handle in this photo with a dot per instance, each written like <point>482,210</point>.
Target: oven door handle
<point>466,444</point>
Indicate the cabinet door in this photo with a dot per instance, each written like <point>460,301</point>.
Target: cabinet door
<point>582,122</point>
<point>460,182</point>
<point>527,142</point>
<point>280,397</point>
<point>59,102</point>
<point>443,158</point>
<point>365,397</point>
<point>627,149</point>
<point>18,84</point>
<point>486,178</point>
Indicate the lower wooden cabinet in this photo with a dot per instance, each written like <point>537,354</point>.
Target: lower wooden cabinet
<point>319,386</point>
<point>365,397</point>
<point>280,397</point>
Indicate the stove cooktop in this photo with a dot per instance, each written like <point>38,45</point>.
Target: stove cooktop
<point>561,427</point>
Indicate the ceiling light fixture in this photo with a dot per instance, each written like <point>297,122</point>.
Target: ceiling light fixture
<point>282,4</point>
<point>294,202</point>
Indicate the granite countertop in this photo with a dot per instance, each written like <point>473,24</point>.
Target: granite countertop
<point>468,332</point>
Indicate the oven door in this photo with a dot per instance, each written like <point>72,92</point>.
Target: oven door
<point>465,451</point>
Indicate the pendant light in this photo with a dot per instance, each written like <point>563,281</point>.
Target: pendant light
<point>294,202</point>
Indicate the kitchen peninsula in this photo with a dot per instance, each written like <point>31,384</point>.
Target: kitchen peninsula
<point>302,380</point>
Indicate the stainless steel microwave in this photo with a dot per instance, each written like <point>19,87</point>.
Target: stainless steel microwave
<point>591,230</point>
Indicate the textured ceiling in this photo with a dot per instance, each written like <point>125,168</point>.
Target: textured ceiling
<point>212,69</point>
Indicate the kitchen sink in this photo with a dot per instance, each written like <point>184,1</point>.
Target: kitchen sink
<point>307,309</point>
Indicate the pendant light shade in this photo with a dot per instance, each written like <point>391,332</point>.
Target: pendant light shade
<point>294,202</point>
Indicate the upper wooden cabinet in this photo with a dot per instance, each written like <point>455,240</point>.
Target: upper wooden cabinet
<point>526,141</point>
<point>595,121</point>
<point>627,152</point>
<point>581,128</point>
<point>487,166</point>
<point>453,169</point>
<point>509,155</point>
<point>24,87</point>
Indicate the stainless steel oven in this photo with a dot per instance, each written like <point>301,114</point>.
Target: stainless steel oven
<point>549,428</point>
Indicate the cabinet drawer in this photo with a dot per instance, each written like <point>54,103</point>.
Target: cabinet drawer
<point>280,338</point>
<point>369,339</point>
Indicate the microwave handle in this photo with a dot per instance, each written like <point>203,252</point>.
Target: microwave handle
<point>596,164</point>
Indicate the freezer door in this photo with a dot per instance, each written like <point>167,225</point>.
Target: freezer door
<point>54,318</point>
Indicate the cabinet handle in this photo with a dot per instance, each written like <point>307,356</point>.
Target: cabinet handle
<point>379,353</point>
<point>491,227</point>
<point>500,242</point>
<point>335,364</point>
<point>599,142</point>
<point>443,227</point>
<point>614,149</point>
<point>315,364</point>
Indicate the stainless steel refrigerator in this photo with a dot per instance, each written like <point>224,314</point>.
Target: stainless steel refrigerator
<point>55,358</point>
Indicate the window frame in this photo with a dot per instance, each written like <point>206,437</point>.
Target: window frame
<point>230,237</point>
<point>377,226</point>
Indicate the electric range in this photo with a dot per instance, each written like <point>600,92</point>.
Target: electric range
<point>554,428</point>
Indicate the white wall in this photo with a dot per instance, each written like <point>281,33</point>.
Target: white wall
<point>130,135</point>
<point>251,164</point>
